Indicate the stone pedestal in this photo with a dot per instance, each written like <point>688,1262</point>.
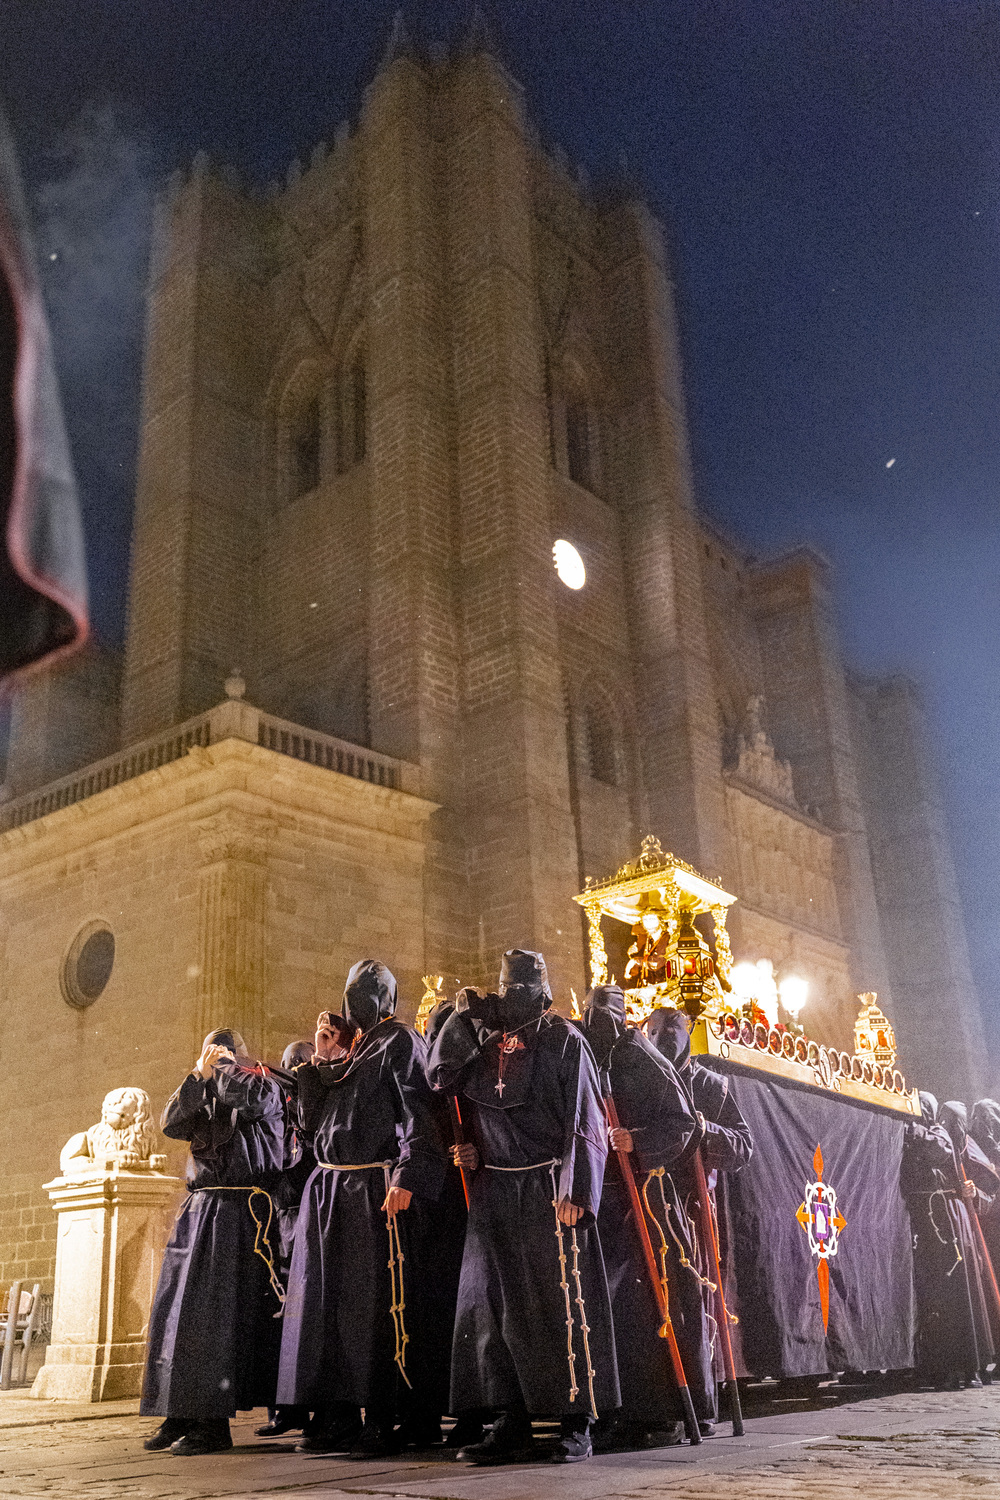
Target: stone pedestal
<point>113,1226</point>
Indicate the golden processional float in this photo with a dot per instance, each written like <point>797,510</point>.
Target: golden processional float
<point>658,898</point>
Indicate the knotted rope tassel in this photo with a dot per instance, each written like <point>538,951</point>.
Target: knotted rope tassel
<point>263,1229</point>
<point>396,1258</point>
<point>397,1303</point>
<point>658,1173</point>
<point>584,1325</point>
<point>574,1389</point>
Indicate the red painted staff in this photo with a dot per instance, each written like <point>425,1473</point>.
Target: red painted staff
<point>721,1311</point>
<point>459,1134</point>
<point>984,1251</point>
<point>658,1281</point>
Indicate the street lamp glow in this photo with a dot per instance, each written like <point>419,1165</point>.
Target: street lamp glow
<point>744,981</point>
<point>794,993</point>
<point>569,565</point>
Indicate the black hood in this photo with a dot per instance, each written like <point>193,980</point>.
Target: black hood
<point>225,1036</point>
<point>667,1029</point>
<point>603,1019</point>
<point>369,994</point>
<point>984,1127</point>
<point>928,1108</point>
<point>436,1020</point>
<point>955,1118</point>
<point>524,988</point>
<point>295,1054</point>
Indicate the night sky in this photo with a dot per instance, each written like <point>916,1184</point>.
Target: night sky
<point>829,175</point>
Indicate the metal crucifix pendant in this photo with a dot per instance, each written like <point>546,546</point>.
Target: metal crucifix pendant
<point>508,1046</point>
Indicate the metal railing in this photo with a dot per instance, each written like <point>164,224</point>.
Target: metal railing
<point>232,719</point>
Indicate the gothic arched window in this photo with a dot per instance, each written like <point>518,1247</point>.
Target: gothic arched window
<point>305,442</point>
<point>600,742</point>
<point>352,414</point>
<point>578,464</point>
<point>574,433</point>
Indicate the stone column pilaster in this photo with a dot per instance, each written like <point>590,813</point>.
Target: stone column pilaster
<point>232,896</point>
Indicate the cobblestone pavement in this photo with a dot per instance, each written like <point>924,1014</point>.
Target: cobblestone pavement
<point>913,1445</point>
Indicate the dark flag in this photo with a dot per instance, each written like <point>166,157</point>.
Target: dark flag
<point>43,590</point>
<point>819,1232</point>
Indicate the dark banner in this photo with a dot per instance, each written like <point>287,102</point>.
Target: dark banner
<point>821,1262</point>
<point>43,591</point>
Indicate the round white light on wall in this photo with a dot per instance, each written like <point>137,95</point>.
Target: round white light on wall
<point>794,993</point>
<point>569,565</point>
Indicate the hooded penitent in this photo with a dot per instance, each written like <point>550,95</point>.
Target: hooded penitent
<point>984,1127</point>
<point>603,1020</point>
<point>524,988</point>
<point>954,1337</point>
<point>369,995</point>
<point>954,1117</point>
<point>530,1096</point>
<point>295,1054</point>
<point>371,1118</point>
<point>218,1271</point>
<point>436,1020</point>
<point>225,1036</point>
<point>653,1105</point>
<point>667,1029</point>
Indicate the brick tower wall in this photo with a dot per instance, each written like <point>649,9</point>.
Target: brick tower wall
<point>198,504</point>
<point>939,1028</point>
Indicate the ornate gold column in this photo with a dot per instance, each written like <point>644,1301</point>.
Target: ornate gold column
<point>232,898</point>
<point>598,953</point>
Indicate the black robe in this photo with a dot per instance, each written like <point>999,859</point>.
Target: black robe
<point>300,1161</point>
<point>653,1105</point>
<point>984,1129</point>
<point>446,1221</point>
<point>213,1331</point>
<point>954,1340</point>
<point>726,1145</point>
<point>340,1339</point>
<point>515,1321</point>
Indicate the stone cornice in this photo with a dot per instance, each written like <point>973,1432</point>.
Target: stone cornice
<point>232,773</point>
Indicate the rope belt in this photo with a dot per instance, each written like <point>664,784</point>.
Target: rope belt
<point>396,1258</point>
<point>658,1173</point>
<point>952,1239</point>
<point>556,1161</point>
<point>574,1389</point>
<point>263,1229</point>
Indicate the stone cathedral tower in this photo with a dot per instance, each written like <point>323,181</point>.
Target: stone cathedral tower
<point>373,402</point>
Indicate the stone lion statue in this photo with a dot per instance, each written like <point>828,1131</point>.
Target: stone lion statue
<point>124,1138</point>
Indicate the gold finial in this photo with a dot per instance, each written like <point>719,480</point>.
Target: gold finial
<point>432,994</point>
<point>874,1037</point>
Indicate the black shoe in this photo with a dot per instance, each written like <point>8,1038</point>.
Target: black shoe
<point>467,1431</point>
<point>167,1433</point>
<point>668,1437</point>
<point>277,1427</point>
<point>619,1437</point>
<point>341,1438</point>
<point>204,1437</point>
<point>508,1438</point>
<point>419,1432</point>
<point>707,1429</point>
<point>573,1445</point>
<point>377,1440</point>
